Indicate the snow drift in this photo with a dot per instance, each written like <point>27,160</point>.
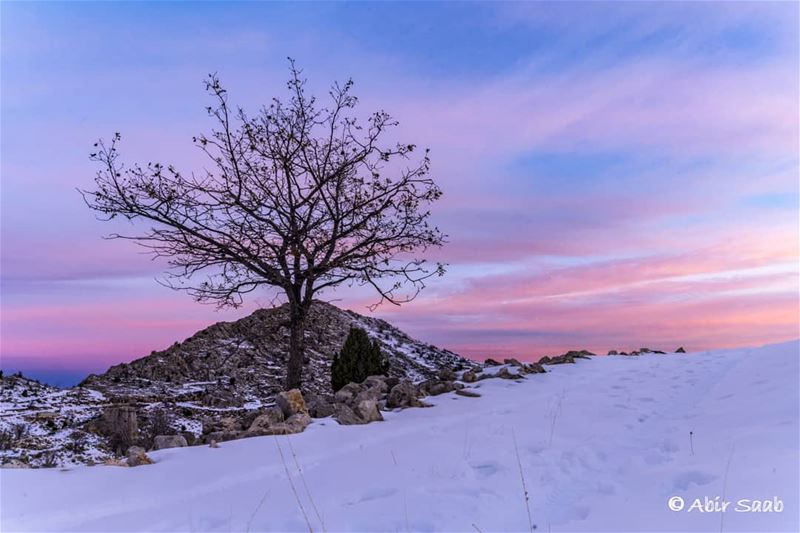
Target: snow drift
<point>606,445</point>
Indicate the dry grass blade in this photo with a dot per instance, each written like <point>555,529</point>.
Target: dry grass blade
<point>291,484</point>
<point>522,477</point>
<point>305,485</point>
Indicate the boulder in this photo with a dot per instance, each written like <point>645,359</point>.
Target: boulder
<point>319,406</point>
<point>435,387</point>
<point>578,354</point>
<point>137,457</point>
<point>468,393</point>
<point>229,423</point>
<point>511,361</point>
<point>376,382</point>
<point>404,394</point>
<point>15,463</point>
<point>272,416</point>
<point>291,403</point>
<point>613,352</point>
<point>162,442</point>
<point>349,392</point>
<point>505,373</point>
<point>347,416</point>
<point>491,362</point>
<point>371,393</point>
<point>561,359</point>
<point>297,423</point>
<point>368,411</point>
<point>533,368</point>
<point>445,374</point>
<point>469,377</point>
<point>680,350</point>
<point>544,360</point>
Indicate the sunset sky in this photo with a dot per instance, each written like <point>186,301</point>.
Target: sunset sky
<point>615,175</point>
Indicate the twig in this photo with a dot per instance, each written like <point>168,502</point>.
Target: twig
<point>291,484</point>
<point>691,443</point>
<point>305,486</point>
<point>522,477</point>
<point>725,485</point>
<point>556,411</point>
<point>477,528</point>
<point>253,514</point>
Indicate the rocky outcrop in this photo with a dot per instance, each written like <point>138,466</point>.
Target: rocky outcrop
<point>231,363</point>
<point>404,394</point>
<point>161,442</point>
<point>291,403</point>
<point>680,350</point>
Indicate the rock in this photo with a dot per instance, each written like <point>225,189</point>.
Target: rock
<point>162,442</point>
<point>371,393</point>
<point>346,416</point>
<point>271,416</point>
<point>348,393</point>
<point>533,368</point>
<point>659,352</point>
<point>468,393</point>
<point>120,425</point>
<point>645,350</point>
<point>445,374</point>
<point>680,350</point>
<point>376,382</point>
<point>613,352</point>
<point>404,394</point>
<point>511,361</point>
<point>561,359</point>
<point>544,360</point>
<point>213,444</point>
<point>137,457</point>
<point>15,463</point>
<point>297,423</point>
<point>222,436</point>
<point>434,387</point>
<point>368,411</point>
<point>505,373</point>
<point>469,377</point>
<point>578,354</point>
<point>291,403</point>
<point>229,423</point>
<point>46,415</point>
<point>319,406</point>
<point>491,362</point>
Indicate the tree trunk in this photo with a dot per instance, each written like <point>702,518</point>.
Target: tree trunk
<point>297,327</point>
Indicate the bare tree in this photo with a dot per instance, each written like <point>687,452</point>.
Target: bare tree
<point>300,197</point>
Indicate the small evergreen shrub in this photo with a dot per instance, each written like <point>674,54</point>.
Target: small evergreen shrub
<point>358,359</point>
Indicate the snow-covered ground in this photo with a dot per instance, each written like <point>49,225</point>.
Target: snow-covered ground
<point>603,445</point>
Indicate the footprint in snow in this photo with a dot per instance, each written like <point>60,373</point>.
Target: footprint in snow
<point>682,481</point>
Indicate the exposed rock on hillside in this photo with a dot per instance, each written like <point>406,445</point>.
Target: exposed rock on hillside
<point>243,363</point>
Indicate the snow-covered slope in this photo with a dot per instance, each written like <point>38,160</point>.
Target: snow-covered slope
<point>602,446</point>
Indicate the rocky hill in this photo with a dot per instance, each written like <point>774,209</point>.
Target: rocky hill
<point>243,363</point>
<point>217,380</point>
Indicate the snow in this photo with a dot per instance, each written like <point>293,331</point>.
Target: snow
<point>602,445</point>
